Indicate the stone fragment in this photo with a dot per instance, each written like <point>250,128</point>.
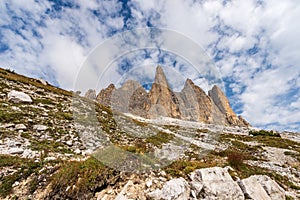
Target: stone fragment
<point>16,150</point>
<point>39,127</point>
<point>20,127</point>
<point>252,189</point>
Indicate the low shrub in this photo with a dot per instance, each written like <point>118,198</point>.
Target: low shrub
<point>264,133</point>
<point>235,159</point>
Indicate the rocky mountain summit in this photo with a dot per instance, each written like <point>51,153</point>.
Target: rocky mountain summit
<point>55,144</point>
<point>192,103</point>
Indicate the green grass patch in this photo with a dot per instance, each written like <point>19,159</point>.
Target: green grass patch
<point>264,133</point>
<point>81,180</point>
<point>181,167</point>
<point>160,138</point>
<point>25,167</point>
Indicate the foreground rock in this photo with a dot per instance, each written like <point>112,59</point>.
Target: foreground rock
<point>214,183</point>
<point>261,187</point>
<point>175,189</point>
<point>18,97</point>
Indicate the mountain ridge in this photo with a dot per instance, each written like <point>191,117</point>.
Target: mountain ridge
<point>191,103</point>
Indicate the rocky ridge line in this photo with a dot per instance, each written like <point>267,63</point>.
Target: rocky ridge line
<point>191,104</point>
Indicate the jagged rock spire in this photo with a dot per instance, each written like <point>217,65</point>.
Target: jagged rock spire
<point>160,77</point>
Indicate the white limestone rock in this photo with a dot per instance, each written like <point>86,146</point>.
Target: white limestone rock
<point>39,127</point>
<point>175,189</point>
<point>18,97</point>
<point>253,189</point>
<point>254,185</point>
<point>214,183</point>
<point>16,150</point>
<point>20,127</point>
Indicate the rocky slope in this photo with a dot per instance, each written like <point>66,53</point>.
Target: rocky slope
<point>192,103</point>
<point>48,143</point>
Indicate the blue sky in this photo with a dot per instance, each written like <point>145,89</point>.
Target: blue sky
<point>255,45</point>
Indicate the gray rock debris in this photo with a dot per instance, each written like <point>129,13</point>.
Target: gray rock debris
<point>18,97</point>
<point>175,189</point>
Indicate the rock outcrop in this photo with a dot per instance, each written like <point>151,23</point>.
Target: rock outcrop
<point>104,97</point>
<point>221,101</point>
<point>195,105</point>
<point>90,94</point>
<point>216,183</point>
<point>261,187</point>
<point>191,104</point>
<point>130,98</point>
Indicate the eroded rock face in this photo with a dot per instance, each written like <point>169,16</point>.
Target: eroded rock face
<point>131,98</point>
<point>163,100</point>
<point>195,105</point>
<point>18,97</point>
<point>192,103</point>
<point>221,101</point>
<point>104,97</point>
<point>90,94</point>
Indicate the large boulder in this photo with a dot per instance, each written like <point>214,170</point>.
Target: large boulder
<point>272,188</point>
<point>18,97</point>
<point>253,190</point>
<point>261,187</point>
<point>175,189</point>
<point>214,183</point>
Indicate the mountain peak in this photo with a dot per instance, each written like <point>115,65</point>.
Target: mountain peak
<point>160,77</point>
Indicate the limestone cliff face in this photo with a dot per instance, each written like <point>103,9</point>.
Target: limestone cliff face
<point>222,103</point>
<point>131,98</point>
<point>90,94</point>
<point>195,105</point>
<point>104,97</point>
<point>192,103</point>
<point>163,100</point>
